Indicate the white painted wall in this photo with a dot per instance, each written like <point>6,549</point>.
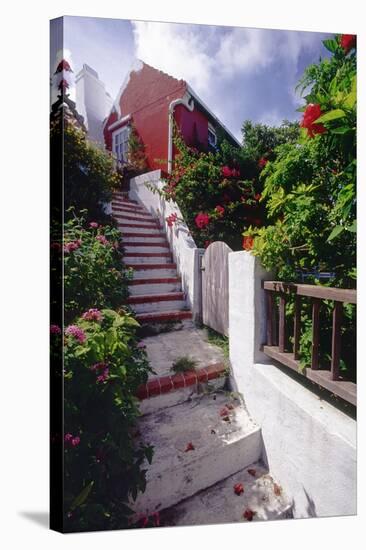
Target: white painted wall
<point>185,253</point>
<point>92,102</point>
<point>310,445</point>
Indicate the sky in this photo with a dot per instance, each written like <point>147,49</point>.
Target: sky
<point>240,73</point>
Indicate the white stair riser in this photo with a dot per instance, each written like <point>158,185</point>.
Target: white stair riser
<point>148,260</point>
<point>149,307</point>
<point>154,273</point>
<point>158,288</point>
<point>145,232</point>
<point>182,481</point>
<point>153,238</point>
<point>142,249</point>
<point>153,404</point>
<point>132,223</point>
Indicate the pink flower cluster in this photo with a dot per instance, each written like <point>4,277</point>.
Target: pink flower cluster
<point>230,172</point>
<point>55,329</point>
<point>92,315</point>
<point>102,239</point>
<point>102,372</point>
<point>94,225</point>
<point>71,440</point>
<point>202,220</point>
<point>171,219</point>
<point>76,332</point>
<point>72,246</point>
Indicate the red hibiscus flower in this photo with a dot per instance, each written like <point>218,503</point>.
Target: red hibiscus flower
<point>248,514</point>
<point>248,243</point>
<point>220,210</point>
<point>202,220</point>
<point>238,489</point>
<point>312,112</point>
<point>171,219</point>
<point>262,162</point>
<point>348,41</point>
<point>226,172</point>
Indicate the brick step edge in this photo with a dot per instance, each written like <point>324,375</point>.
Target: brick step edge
<point>165,384</point>
<point>163,317</point>
<point>148,298</point>
<point>145,267</point>
<point>173,280</point>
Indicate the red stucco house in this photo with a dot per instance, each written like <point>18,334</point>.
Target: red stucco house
<point>152,100</point>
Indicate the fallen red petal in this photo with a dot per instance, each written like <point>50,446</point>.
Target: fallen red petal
<point>190,447</point>
<point>248,514</point>
<point>238,489</point>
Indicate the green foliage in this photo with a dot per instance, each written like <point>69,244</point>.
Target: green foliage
<point>89,175</point>
<point>103,367</point>
<point>92,267</point>
<point>309,191</point>
<point>260,140</point>
<point>184,364</point>
<point>218,340</point>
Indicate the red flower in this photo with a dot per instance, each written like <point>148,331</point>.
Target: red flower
<point>63,85</point>
<point>348,41</point>
<point>248,514</point>
<point>207,244</point>
<point>190,447</point>
<point>226,172</point>
<point>63,66</point>
<point>262,162</point>
<point>201,220</point>
<point>312,112</point>
<point>220,210</point>
<point>258,196</point>
<point>248,243</point>
<point>238,489</point>
<point>235,173</point>
<point>171,219</point>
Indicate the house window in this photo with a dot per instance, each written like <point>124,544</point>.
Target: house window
<point>212,138</point>
<point>120,143</point>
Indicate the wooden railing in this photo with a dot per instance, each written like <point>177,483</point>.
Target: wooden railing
<point>277,339</point>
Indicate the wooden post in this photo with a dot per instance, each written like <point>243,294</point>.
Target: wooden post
<point>336,340</point>
<point>282,324</point>
<point>269,304</point>
<point>297,322</point>
<point>315,337</point>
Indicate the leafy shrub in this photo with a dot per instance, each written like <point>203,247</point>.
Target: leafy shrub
<point>309,191</point>
<point>92,267</point>
<point>89,174</point>
<point>103,366</point>
<point>184,364</point>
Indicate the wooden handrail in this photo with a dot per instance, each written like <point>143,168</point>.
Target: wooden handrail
<point>276,347</point>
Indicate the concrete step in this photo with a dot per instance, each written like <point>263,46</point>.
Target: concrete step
<point>153,238</point>
<point>163,316</point>
<point>220,504</point>
<point>141,247</point>
<point>122,197</point>
<point>172,301</point>
<point>148,258</point>
<point>154,286</point>
<point>146,271</point>
<point>167,391</point>
<point>221,447</point>
<point>141,218</point>
<point>133,224</point>
<point>123,205</point>
<point>136,230</point>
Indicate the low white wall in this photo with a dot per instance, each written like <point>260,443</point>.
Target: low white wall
<point>309,445</point>
<point>185,253</point>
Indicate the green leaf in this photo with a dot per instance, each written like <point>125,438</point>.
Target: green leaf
<point>353,227</point>
<point>336,231</point>
<point>351,98</point>
<point>82,496</point>
<point>331,45</point>
<point>330,115</point>
<point>340,130</point>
